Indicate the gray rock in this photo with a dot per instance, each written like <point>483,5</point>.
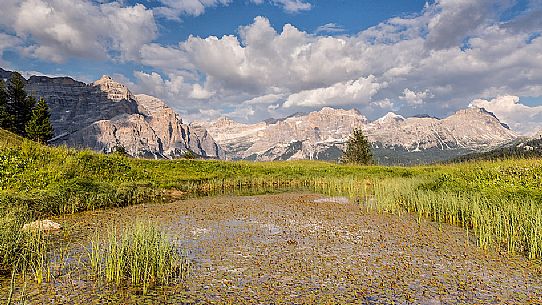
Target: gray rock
<point>105,114</point>
<point>46,225</point>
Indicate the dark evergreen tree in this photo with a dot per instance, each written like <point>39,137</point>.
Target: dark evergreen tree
<point>19,104</point>
<point>120,150</point>
<point>6,119</point>
<point>39,126</point>
<point>358,149</point>
<point>189,155</point>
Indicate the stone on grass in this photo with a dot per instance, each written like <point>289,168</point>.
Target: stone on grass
<point>45,225</point>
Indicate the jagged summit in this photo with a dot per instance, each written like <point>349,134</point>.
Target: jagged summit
<point>337,111</point>
<point>476,110</point>
<point>226,122</point>
<point>151,103</point>
<point>105,78</point>
<point>64,80</point>
<point>294,115</point>
<point>115,90</point>
<point>473,113</point>
<point>4,74</point>
<point>390,117</point>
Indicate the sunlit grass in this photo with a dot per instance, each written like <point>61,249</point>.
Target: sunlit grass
<point>23,252</point>
<point>140,255</point>
<point>509,223</point>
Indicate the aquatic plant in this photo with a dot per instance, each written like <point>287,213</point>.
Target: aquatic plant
<point>140,255</point>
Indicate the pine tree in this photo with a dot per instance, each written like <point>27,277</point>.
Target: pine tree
<point>19,104</point>
<point>5,118</point>
<point>39,126</point>
<point>358,149</point>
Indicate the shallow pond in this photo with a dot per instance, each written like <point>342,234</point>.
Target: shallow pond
<point>295,249</point>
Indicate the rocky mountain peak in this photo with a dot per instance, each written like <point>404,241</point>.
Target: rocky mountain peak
<point>322,135</point>
<point>105,114</point>
<point>54,81</point>
<point>476,114</point>
<point>150,104</point>
<point>151,101</point>
<point>390,117</point>
<point>338,112</point>
<point>226,122</point>
<point>475,111</point>
<point>114,90</point>
<point>5,75</point>
<point>328,110</point>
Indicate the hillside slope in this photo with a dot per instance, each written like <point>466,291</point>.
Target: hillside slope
<point>9,139</point>
<point>518,149</point>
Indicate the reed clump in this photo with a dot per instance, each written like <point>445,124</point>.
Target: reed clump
<point>512,223</point>
<point>24,252</point>
<point>139,255</point>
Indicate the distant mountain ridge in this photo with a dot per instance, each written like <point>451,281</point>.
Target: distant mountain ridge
<point>396,140</point>
<point>105,114</point>
<point>522,147</point>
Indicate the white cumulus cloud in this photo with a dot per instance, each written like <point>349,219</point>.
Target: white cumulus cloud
<point>450,53</point>
<point>264,99</point>
<point>55,30</point>
<point>293,6</point>
<point>519,117</point>
<point>200,93</point>
<point>174,9</point>
<point>310,70</point>
<point>415,98</point>
<point>329,28</point>
<point>290,6</point>
<point>359,91</point>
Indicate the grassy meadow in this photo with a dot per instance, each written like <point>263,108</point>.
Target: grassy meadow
<point>497,202</point>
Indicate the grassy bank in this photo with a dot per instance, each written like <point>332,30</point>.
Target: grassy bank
<point>499,202</point>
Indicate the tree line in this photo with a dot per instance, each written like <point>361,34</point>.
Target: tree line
<point>21,114</point>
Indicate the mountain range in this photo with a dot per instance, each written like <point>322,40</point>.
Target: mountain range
<point>395,139</point>
<point>104,115</point>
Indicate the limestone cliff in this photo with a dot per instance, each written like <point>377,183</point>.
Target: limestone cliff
<point>105,114</point>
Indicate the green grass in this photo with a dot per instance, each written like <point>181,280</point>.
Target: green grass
<point>505,220</point>
<point>497,201</point>
<point>8,139</point>
<point>140,255</point>
<point>23,252</point>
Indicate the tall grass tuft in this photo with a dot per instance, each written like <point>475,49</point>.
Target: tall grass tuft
<point>140,255</point>
<point>512,223</point>
<point>23,252</point>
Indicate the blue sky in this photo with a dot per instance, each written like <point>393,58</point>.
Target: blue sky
<point>254,59</point>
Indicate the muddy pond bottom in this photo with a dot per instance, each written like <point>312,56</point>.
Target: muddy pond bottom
<point>305,249</point>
